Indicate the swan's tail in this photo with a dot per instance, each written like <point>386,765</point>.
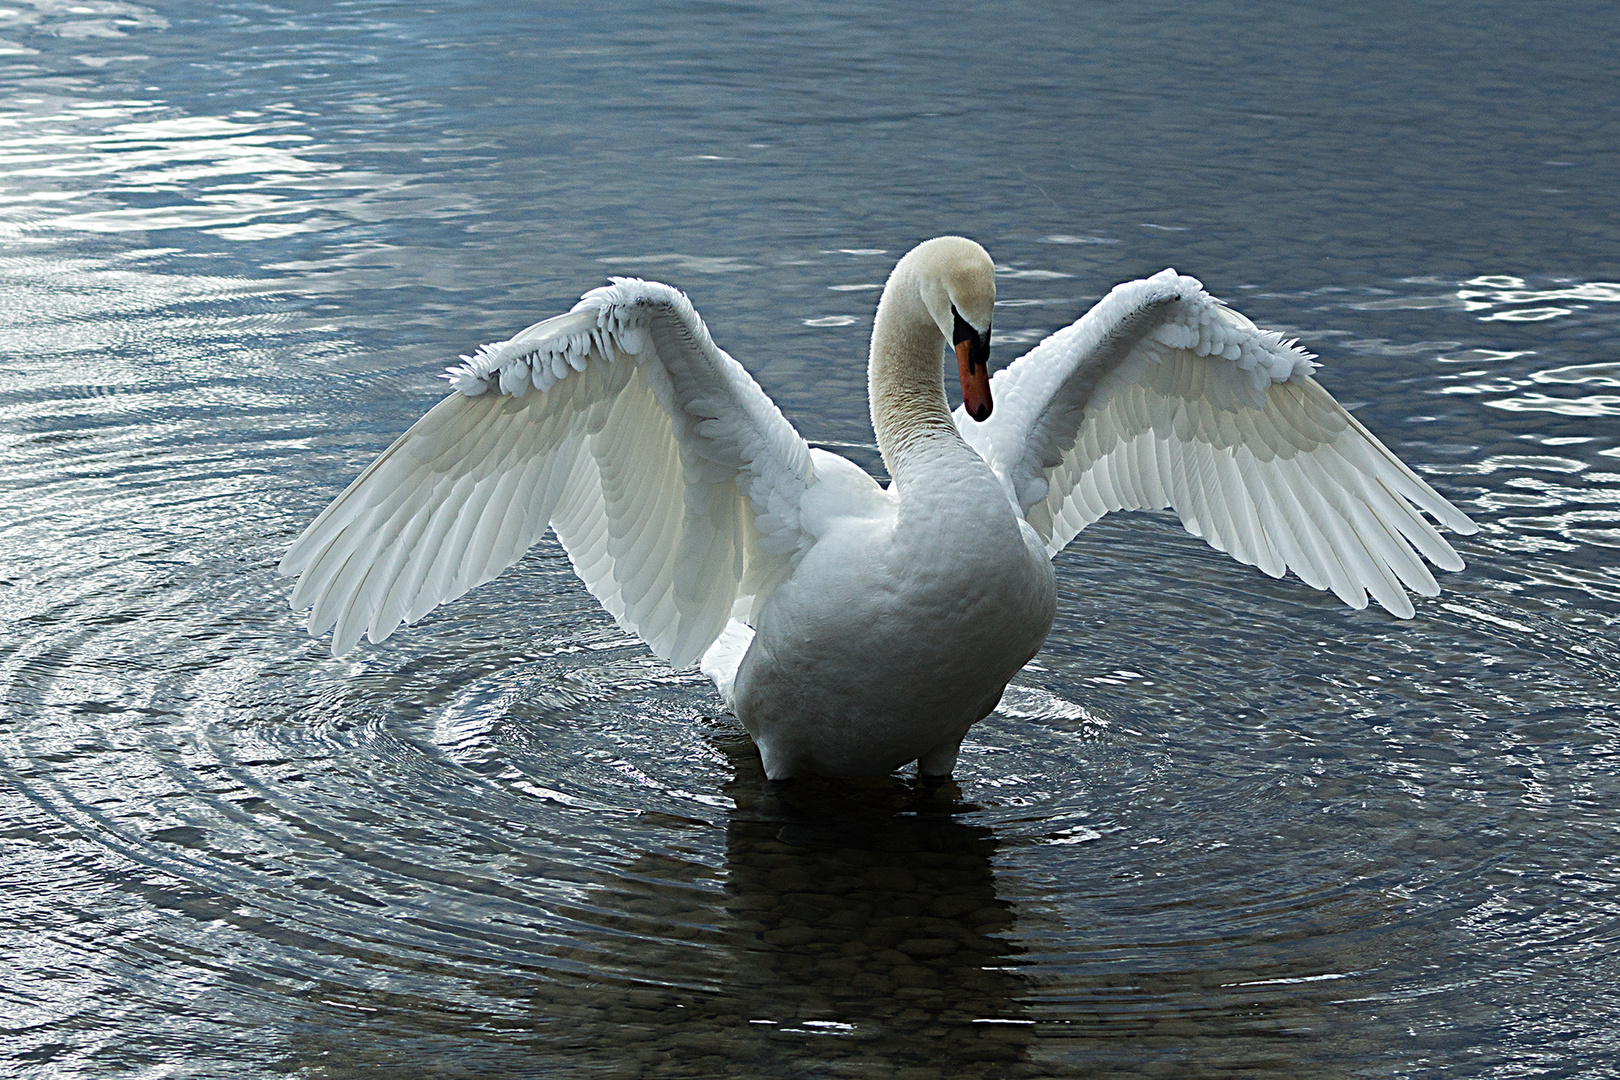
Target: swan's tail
<point>723,658</point>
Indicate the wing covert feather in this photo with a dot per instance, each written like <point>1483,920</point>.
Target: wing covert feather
<point>670,478</point>
<point>1162,396</point>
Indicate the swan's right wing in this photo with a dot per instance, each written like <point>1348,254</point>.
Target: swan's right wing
<point>1162,396</point>
<point>671,479</point>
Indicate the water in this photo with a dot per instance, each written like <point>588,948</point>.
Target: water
<point>1221,826</point>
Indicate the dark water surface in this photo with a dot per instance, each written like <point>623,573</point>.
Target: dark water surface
<point>1222,826</point>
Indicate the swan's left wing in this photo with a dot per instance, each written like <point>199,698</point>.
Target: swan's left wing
<point>671,480</point>
<point>1162,396</point>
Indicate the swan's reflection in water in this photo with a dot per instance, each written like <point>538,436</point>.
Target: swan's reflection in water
<point>853,930</point>
<point>865,924</point>
<point>858,933</point>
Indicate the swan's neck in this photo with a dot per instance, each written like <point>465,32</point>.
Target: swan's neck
<point>906,381</point>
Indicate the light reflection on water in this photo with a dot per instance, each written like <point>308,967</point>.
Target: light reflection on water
<point>1221,825</point>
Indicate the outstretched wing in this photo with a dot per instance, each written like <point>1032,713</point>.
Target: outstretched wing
<point>1162,396</point>
<point>672,481</point>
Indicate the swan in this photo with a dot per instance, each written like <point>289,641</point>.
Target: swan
<point>854,628</point>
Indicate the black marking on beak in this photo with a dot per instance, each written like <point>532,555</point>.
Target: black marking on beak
<point>978,348</point>
<point>973,367</point>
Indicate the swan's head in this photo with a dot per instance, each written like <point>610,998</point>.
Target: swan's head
<point>957,282</point>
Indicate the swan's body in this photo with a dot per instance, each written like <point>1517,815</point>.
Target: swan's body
<point>854,628</point>
<point>877,652</point>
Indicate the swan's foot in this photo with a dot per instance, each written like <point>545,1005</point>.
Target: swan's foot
<point>938,762</point>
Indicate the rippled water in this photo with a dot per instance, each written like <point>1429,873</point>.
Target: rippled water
<point>1221,826</point>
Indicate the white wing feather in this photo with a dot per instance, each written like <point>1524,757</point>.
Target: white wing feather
<point>671,479</point>
<point>1162,396</point>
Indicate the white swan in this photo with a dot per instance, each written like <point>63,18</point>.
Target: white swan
<point>854,628</point>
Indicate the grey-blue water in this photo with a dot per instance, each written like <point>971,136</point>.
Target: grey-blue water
<point>1222,826</point>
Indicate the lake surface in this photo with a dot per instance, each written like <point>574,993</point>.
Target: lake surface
<point>1222,826</point>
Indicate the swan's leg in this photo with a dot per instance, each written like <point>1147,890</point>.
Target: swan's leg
<point>938,762</point>
<point>778,766</point>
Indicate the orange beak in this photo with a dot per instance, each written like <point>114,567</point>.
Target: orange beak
<point>975,373</point>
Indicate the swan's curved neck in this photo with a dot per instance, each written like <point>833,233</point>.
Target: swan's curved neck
<point>905,376</point>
